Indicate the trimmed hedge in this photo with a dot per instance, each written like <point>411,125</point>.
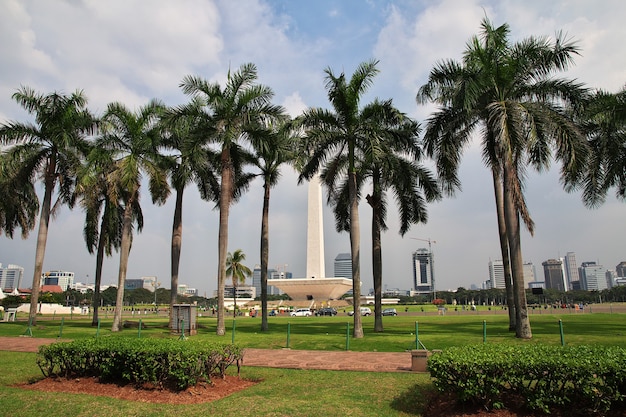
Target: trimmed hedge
<point>589,379</point>
<point>164,362</point>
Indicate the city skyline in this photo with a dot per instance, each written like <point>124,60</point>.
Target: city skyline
<point>130,52</point>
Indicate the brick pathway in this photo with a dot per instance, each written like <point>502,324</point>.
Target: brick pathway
<point>277,358</point>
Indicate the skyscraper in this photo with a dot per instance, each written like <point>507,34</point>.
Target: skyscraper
<point>423,274</point>
<point>620,269</point>
<point>496,274</point>
<point>10,277</point>
<point>592,276</point>
<point>343,265</point>
<point>553,273</point>
<point>571,270</point>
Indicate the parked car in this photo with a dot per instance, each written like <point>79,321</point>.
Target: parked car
<point>301,312</point>
<point>326,311</point>
<point>389,312</point>
<point>365,311</point>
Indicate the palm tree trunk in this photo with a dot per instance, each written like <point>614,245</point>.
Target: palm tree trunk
<point>355,237</point>
<point>177,241</point>
<point>377,257</point>
<point>124,255</point>
<point>265,253</point>
<point>42,237</point>
<point>522,322</point>
<point>98,279</point>
<point>225,196</point>
<point>504,247</point>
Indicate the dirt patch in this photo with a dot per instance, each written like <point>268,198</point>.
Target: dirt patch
<point>200,393</point>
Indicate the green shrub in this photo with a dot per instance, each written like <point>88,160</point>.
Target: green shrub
<point>588,379</point>
<point>163,362</point>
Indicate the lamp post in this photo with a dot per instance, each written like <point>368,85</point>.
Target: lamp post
<point>156,286</point>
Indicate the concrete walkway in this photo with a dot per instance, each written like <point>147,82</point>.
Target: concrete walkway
<point>277,358</point>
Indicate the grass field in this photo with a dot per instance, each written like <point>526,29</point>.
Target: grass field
<point>283,392</point>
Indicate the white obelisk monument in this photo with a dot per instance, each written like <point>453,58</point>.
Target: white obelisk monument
<point>315,231</point>
<point>315,285</point>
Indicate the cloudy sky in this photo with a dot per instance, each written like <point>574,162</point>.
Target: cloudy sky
<point>132,51</point>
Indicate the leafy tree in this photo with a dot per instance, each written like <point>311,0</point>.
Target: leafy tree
<point>132,138</point>
<point>50,150</point>
<point>232,111</point>
<point>391,160</point>
<point>237,271</point>
<point>509,92</point>
<point>335,136</point>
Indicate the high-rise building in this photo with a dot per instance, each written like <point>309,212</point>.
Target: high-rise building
<point>63,279</point>
<point>496,274</point>
<point>343,265</point>
<point>592,276</point>
<point>11,277</point>
<point>620,269</point>
<point>271,274</point>
<point>423,272</point>
<point>553,274</point>
<point>571,270</point>
<point>529,274</point>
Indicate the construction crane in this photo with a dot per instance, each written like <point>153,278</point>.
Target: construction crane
<point>432,263</point>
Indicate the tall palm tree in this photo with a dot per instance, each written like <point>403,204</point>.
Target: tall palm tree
<point>103,215</point>
<point>604,120</point>
<point>392,156</point>
<point>233,110</point>
<point>336,135</point>
<point>133,139</point>
<point>273,148</point>
<point>49,149</point>
<point>237,271</point>
<point>509,92</point>
<point>190,160</point>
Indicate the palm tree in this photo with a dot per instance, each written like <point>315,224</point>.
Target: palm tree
<point>391,161</point>
<point>336,135</point>
<point>237,271</point>
<point>272,149</point>
<point>604,120</point>
<point>132,138</point>
<point>20,204</point>
<point>50,150</point>
<point>103,215</point>
<point>190,160</point>
<point>508,90</point>
<point>232,111</point>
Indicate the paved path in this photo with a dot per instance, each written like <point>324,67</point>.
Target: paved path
<point>277,358</point>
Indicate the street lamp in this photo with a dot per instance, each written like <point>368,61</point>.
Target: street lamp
<point>156,285</point>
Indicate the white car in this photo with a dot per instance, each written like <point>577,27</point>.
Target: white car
<point>301,312</point>
<point>365,311</point>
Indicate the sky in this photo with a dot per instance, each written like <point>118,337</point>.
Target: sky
<point>132,51</point>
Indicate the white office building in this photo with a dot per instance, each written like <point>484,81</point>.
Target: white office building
<point>592,276</point>
<point>11,277</point>
<point>496,274</point>
<point>343,266</point>
<point>63,279</point>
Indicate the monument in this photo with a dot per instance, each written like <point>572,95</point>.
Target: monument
<point>315,286</point>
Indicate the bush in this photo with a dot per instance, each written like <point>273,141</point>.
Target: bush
<point>589,379</point>
<point>163,362</point>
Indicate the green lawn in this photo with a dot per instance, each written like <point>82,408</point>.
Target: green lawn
<point>283,392</point>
